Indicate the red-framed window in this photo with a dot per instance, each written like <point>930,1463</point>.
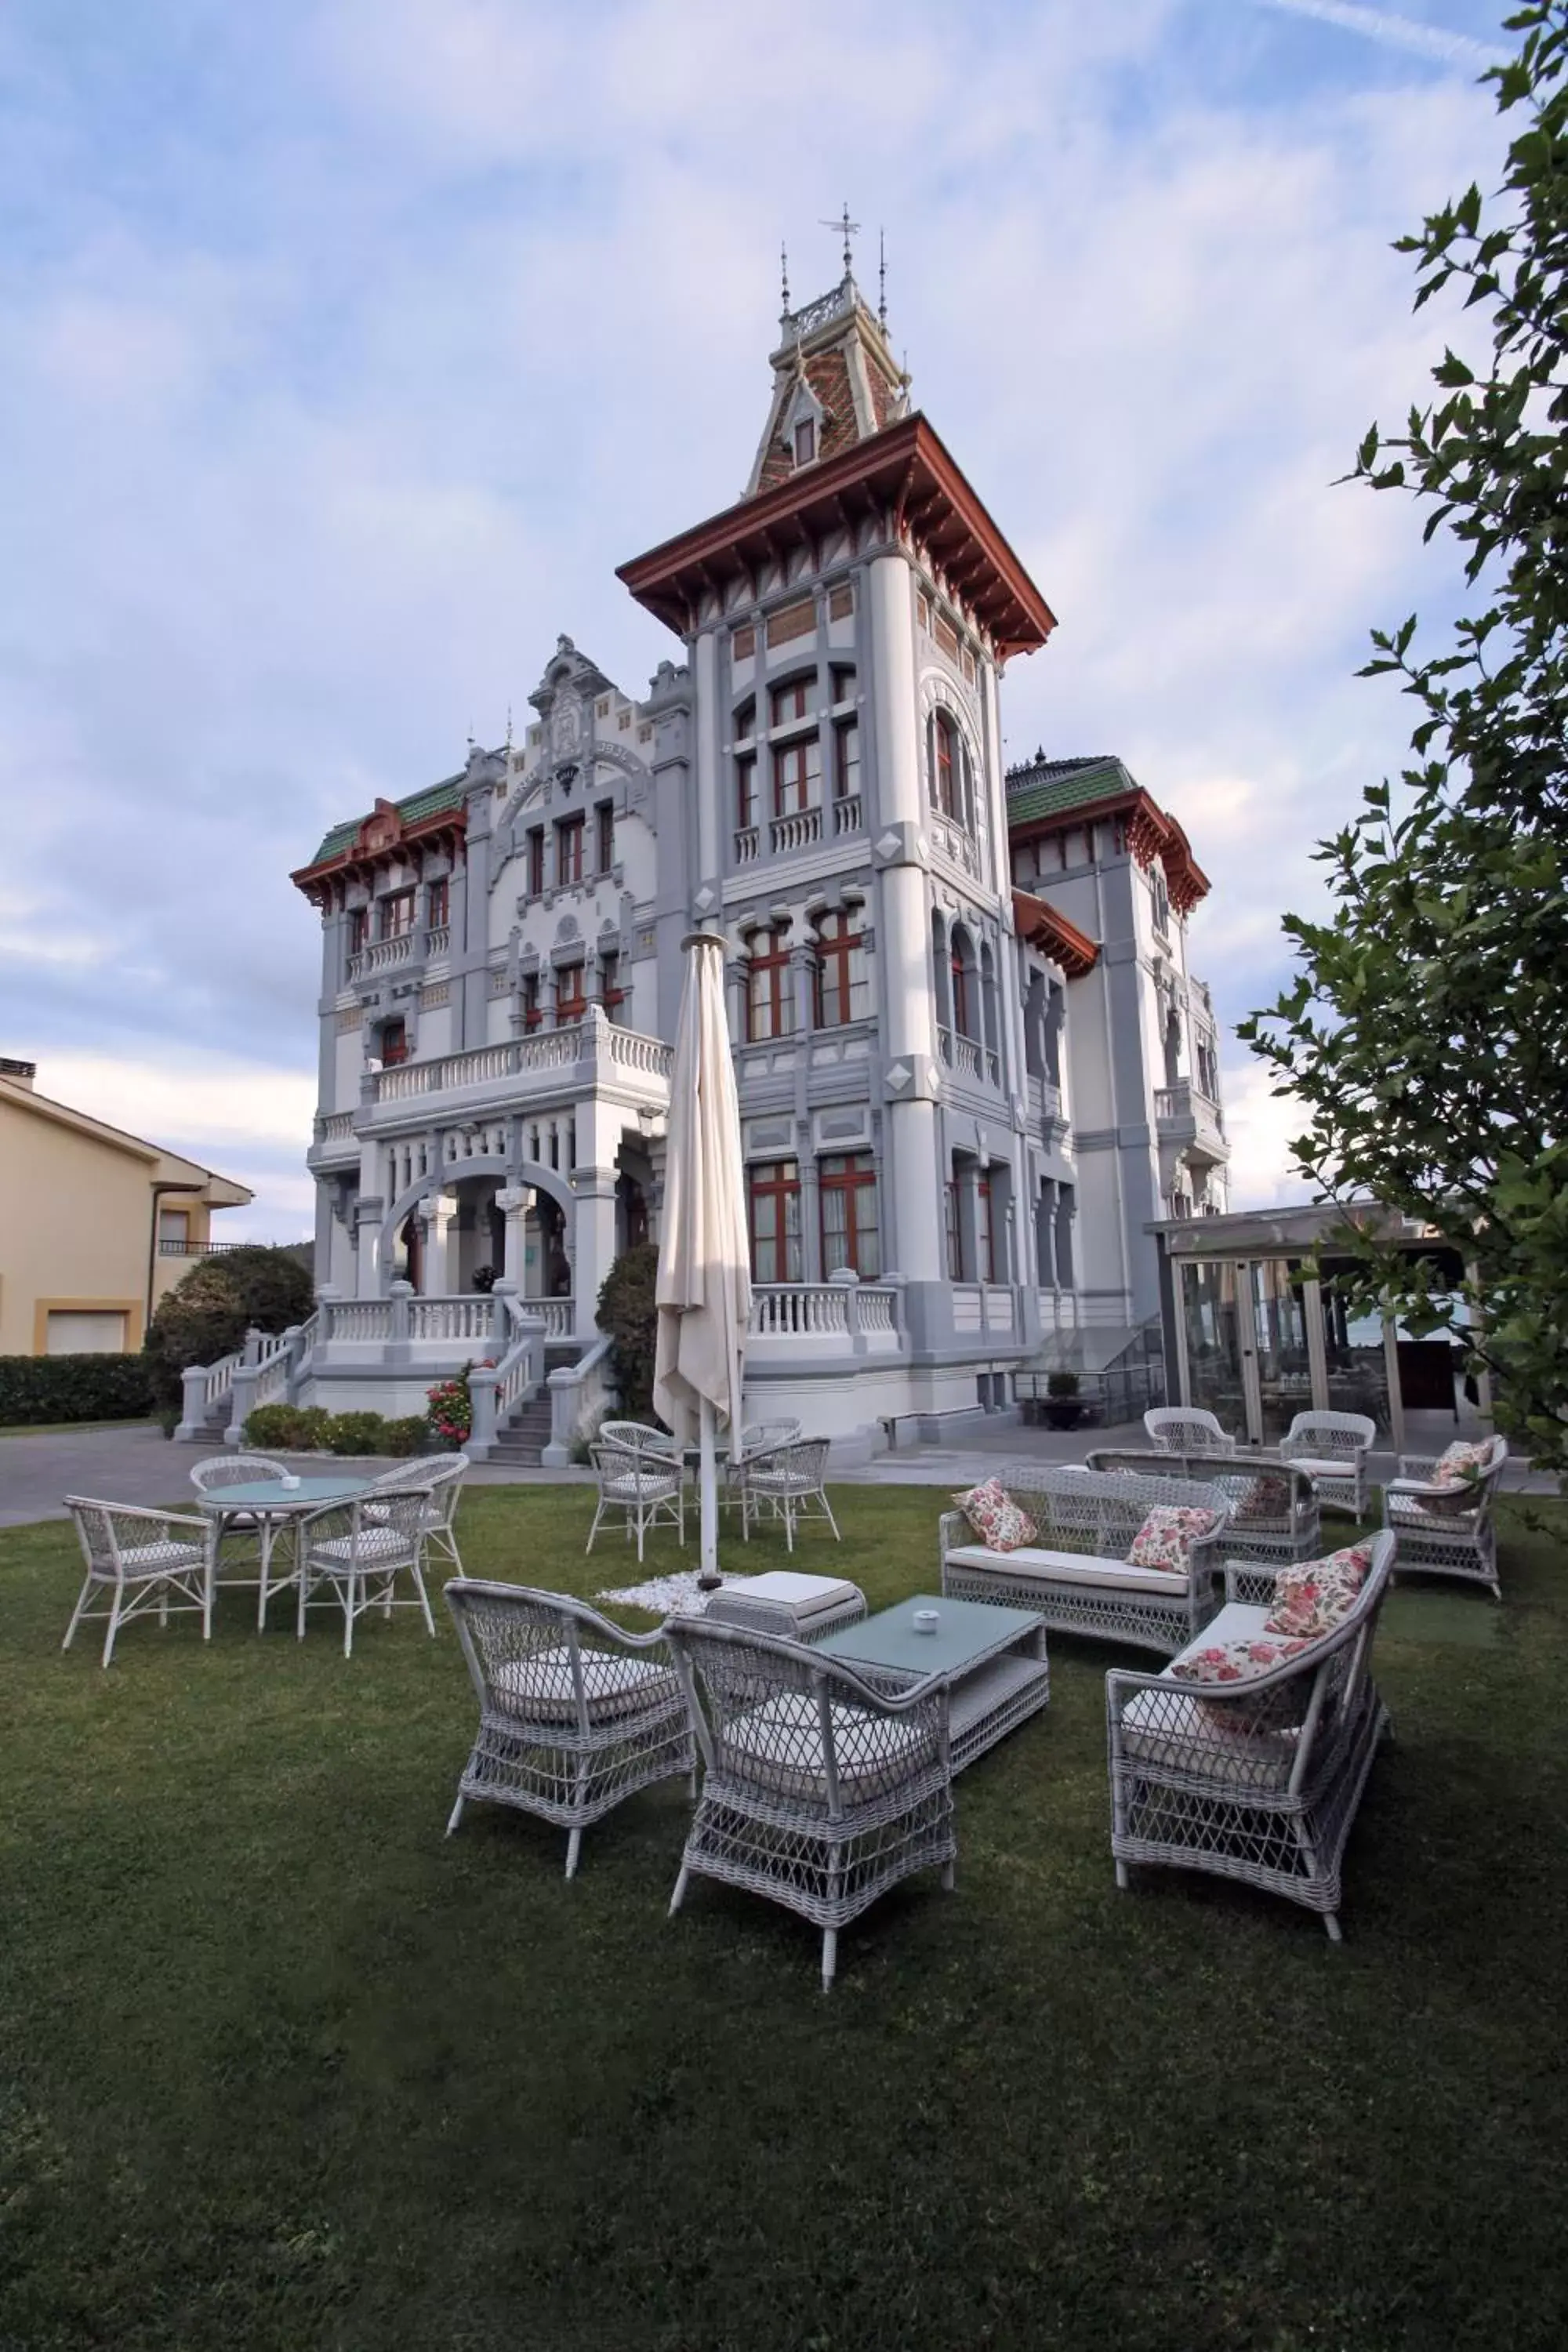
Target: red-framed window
<point>965,992</point>
<point>571,1003</point>
<point>806,441</point>
<point>788,702</point>
<point>396,914</point>
<point>532,1013</point>
<point>569,834</point>
<point>605,815</point>
<point>439,903</point>
<point>746,792</point>
<point>359,928</point>
<point>840,971</point>
<point>848,1194</point>
<point>946,773</point>
<point>535,861</point>
<point>847,760</point>
<point>984,1232</point>
<point>951,1229</point>
<point>612,996</point>
<point>770,987</point>
<point>772,1200</point>
<point>797,776</point>
<point>393,1043</point>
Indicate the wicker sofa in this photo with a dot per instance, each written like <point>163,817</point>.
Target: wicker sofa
<point>1274,1514</point>
<point>1077,1576</point>
<point>1256,1781</point>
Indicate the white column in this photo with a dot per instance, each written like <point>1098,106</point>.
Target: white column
<point>438,1214</point>
<point>705,679</point>
<point>903,936</point>
<point>514,1206</point>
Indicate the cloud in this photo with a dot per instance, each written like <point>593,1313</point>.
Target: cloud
<point>1392,32</point>
<point>1260,1125</point>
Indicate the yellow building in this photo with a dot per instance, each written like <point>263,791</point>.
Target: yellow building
<point>95,1224</point>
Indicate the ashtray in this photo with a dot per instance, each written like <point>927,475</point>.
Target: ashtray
<point>289,1480</point>
<point>927,1619</point>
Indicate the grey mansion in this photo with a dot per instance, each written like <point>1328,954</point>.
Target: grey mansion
<point>973,1064</point>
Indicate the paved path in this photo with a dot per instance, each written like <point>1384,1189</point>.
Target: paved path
<point>139,1465</point>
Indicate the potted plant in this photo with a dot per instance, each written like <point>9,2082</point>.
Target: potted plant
<point>1063,1407</point>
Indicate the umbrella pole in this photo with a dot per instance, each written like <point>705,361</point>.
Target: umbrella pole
<point>707,1496</point>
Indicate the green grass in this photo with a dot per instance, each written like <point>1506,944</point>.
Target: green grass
<point>72,1428</point>
<point>285,2068</point>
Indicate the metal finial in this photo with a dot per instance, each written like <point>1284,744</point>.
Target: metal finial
<point>784,272</point>
<point>509,727</point>
<point>882,279</point>
<point>849,228</point>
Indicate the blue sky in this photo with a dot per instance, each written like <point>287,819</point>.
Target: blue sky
<point>352,343</point>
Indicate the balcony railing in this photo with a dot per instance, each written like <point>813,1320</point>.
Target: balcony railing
<point>797,832</point>
<point>746,845</point>
<point>846,814</point>
<point>382,955</point>
<point>553,1050</point>
<point>831,1316</point>
<point>438,940</point>
<point>956,843</point>
<point>1182,1114</point>
<point>968,1056</point>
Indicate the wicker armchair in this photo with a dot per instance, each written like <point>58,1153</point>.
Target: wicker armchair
<point>789,1482</point>
<point>1077,1575</point>
<point>637,1437</point>
<point>1446,1530</point>
<point>757,1437</point>
<point>243,1539</point>
<point>1256,1780</point>
<point>138,1559</point>
<point>820,1790</point>
<point>1186,1429</point>
<point>1332,1449</point>
<point>1274,1514</point>
<point>574,1715</point>
<point>360,1559</point>
<point>440,1478</point>
<point>646,1488</point>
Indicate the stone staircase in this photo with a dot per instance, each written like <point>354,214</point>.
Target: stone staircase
<point>520,1445</point>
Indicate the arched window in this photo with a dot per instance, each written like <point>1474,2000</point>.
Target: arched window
<point>963,979</point>
<point>840,969</point>
<point>770,986</point>
<point>945,770</point>
<point>941,981</point>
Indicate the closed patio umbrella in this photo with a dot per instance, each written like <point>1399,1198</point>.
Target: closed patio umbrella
<point>704,1290</point>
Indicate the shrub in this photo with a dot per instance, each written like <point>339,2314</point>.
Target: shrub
<point>289,1428</point>
<point>1061,1384</point>
<point>356,1433</point>
<point>628,1312</point>
<point>405,1436</point>
<point>451,1410</point>
<point>74,1388</point>
<point>208,1314</point>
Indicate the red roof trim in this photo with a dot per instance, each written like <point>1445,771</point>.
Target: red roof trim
<point>376,839</point>
<point>906,468</point>
<point>1151,832</point>
<point>1041,925</point>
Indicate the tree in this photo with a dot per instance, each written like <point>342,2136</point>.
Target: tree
<point>627,1310</point>
<point>208,1314</point>
<point>1426,1031</point>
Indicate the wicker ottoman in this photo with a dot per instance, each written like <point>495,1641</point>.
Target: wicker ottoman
<point>797,1608</point>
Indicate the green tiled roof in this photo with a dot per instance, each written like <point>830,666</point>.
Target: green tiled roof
<point>1045,786</point>
<point>431,802</point>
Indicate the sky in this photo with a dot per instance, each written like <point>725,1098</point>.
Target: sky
<point>350,344</point>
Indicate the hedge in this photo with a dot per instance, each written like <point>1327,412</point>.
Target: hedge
<point>311,1429</point>
<point>74,1388</point>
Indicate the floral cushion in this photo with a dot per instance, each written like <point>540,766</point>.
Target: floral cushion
<point>1166,1537</point>
<point>1310,1597</point>
<point>1236,1661</point>
<point>1459,1462</point>
<point>1265,1498</point>
<point>995,1516</point>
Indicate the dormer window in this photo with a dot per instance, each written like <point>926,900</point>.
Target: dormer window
<point>806,441</point>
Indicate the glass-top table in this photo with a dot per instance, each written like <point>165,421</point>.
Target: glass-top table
<point>993,1661</point>
<point>255,1497</point>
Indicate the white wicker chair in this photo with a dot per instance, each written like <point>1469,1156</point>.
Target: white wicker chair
<point>1264,1524</point>
<point>574,1714</point>
<point>1332,1449</point>
<point>1446,1530</point>
<point>138,1559</point>
<point>789,1482</point>
<point>440,1478</point>
<point>243,1540</point>
<point>1186,1429</point>
<point>820,1790</point>
<point>1255,1781</point>
<point>1095,1514</point>
<point>756,1437</point>
<point>646,1490</point>
<point>637,1437</point>
<point>360,1559</point>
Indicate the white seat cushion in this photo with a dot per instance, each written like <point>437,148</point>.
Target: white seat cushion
<point>1239,1620</point>
<point>1342,1468</point>
<point>785,1734</point>
<point>640,1487</point>
<point>1175,1729</point>
<point>373,1547</point>
<point>1069,1568</point>
<point>804,1597</point>
<point>160,1559</point>
<point>541,1686</point>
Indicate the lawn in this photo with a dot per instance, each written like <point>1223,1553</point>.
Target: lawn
<point>285,2068</point>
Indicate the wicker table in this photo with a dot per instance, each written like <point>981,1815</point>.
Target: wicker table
<point>269,1506</point>
<point>994,1660</point>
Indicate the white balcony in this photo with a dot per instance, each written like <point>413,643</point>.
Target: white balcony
<point>556,1063</point>
<point>1190,1123</point>
<point>852,1319</point>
